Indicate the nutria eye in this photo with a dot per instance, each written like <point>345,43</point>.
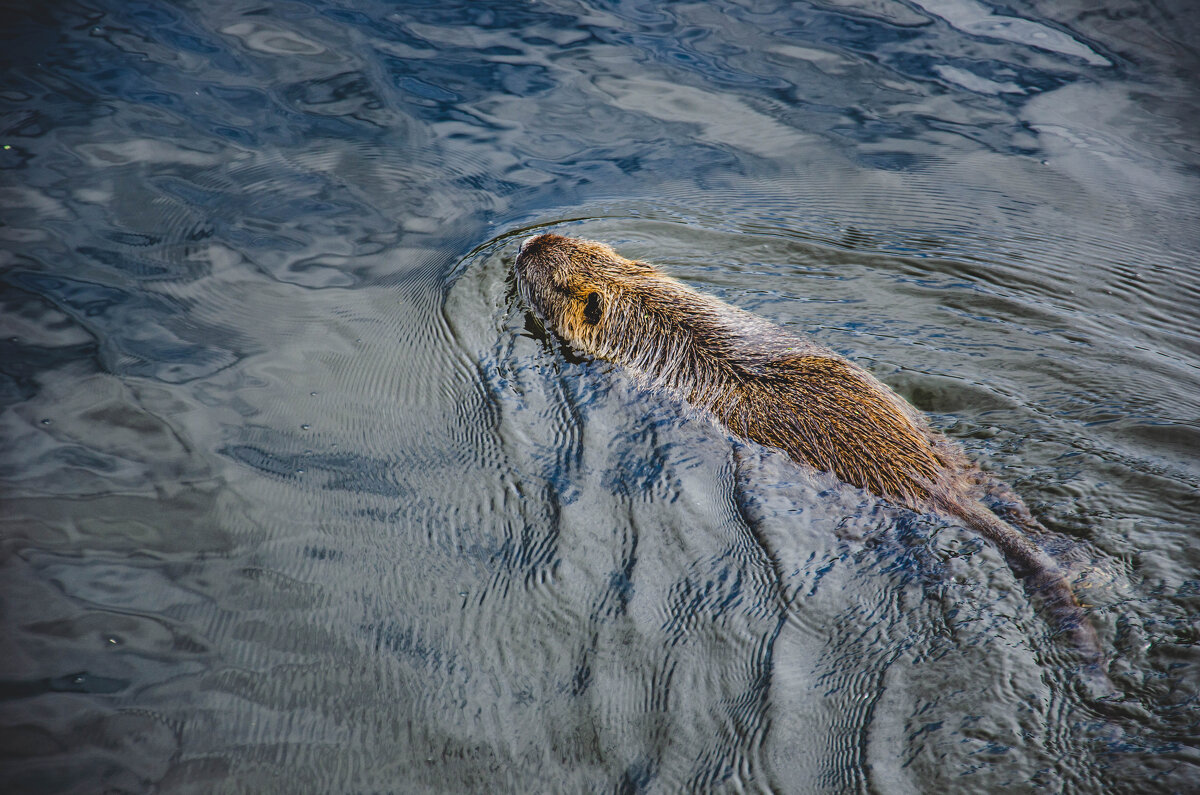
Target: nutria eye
<point>591,311</point>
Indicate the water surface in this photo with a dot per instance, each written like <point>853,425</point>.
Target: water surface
<point>299,496</point>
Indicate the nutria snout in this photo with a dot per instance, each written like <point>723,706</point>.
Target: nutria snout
<point>767,385</point>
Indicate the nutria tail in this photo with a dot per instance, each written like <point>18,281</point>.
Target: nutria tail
<point>1042,574</point>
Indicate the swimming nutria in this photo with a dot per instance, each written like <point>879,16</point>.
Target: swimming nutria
<point>774,388</point>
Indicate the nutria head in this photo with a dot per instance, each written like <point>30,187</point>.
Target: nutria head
<point>635,315</point>
<point>574,285</point>
<point>611,307</point>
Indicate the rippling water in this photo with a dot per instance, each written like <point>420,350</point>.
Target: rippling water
<point>297,496</point>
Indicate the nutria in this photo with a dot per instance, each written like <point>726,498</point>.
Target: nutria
<point>767,385</point>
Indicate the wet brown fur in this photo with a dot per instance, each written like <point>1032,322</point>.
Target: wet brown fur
<point>774,388</point>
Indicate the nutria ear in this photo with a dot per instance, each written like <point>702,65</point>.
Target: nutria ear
<point>591,311</point>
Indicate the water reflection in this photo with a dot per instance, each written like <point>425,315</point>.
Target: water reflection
<point>296,490</point>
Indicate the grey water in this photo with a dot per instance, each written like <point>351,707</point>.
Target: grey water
<point>297,496</point>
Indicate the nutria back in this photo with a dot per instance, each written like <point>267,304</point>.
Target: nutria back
<point>775,388</point>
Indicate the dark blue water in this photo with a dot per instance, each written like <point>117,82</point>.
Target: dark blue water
<point>298,497</point>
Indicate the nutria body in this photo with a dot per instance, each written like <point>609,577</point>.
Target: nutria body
<point>774,388</point>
